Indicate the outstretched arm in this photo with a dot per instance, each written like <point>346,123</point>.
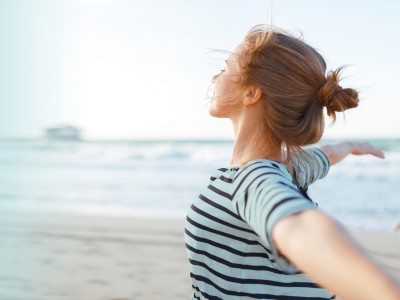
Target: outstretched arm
<point>339,151</point>
<point>310,170</point>
<point>324,251</point>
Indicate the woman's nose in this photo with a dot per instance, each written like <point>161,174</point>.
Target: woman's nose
<point>214,78</point>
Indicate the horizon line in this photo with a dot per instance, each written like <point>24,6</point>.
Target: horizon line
<point>184,139</point>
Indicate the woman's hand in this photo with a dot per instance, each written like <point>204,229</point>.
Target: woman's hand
<point>366,148</point>
<point>339,151</point>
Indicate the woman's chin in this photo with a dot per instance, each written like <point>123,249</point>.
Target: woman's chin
<point>215,113</point>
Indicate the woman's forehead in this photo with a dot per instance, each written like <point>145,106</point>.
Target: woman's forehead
<point>234,56</point>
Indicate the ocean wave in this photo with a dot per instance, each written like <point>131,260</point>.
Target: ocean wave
<point>161,176</point>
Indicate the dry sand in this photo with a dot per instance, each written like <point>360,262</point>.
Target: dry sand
<point>59,257</point>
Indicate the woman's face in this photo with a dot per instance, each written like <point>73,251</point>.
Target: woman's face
<point>227,86</point>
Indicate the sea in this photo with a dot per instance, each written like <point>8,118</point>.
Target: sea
<point>162,178</point>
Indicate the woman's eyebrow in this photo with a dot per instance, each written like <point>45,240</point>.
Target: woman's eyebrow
<point>229,61</point>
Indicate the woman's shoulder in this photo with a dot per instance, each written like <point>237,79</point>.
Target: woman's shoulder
<point>265,167</point>
<point>253,175</point>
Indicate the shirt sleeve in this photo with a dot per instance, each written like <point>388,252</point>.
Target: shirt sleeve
<point>310,167</point>
<point>270,197</point>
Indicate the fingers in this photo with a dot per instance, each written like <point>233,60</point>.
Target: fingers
<point>366,148</point>
<point>378,153</point>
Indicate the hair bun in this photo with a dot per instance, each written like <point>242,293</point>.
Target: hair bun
<point>334,97</point>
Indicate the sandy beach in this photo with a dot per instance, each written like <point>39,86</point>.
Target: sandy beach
<point>82,257</point>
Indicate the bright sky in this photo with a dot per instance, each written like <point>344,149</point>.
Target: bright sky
<point>141,69</point>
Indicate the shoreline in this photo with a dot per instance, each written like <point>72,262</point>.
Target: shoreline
<point>88,257</point>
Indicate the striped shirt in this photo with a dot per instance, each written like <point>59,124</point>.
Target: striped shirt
<point>229,226</point>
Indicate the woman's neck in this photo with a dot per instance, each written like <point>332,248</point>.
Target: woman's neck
<point>252,141</point>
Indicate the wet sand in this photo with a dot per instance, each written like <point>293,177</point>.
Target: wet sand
<point>62,257</point>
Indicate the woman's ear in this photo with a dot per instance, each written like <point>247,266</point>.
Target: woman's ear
<point>252,94</point>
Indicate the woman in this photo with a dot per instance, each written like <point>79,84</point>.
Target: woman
<point>254,233</point>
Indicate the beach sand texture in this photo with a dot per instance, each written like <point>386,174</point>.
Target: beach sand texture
<point>62,257</point>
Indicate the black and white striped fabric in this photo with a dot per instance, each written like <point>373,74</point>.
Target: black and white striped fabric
<point>228,231</point>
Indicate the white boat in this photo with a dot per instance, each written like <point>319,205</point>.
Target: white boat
<point>63,132</point>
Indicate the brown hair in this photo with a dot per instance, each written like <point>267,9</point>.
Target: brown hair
<point>295,84</point>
